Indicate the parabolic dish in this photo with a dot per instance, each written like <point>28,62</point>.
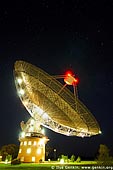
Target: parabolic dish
<point>39,93</point>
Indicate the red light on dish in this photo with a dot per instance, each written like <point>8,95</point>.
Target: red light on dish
<point>75,81</point>
<point>68,73</point>
<point>70,79</point>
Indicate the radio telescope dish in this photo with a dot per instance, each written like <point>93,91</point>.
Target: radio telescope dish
<point>51,104</point>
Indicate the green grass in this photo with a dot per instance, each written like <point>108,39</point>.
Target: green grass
<point>25,167</point>
<point>50,166</point>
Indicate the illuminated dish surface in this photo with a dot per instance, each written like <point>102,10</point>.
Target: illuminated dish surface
<point>52,107</point>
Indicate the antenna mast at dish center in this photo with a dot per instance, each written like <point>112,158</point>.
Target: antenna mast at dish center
<point>70,80</point>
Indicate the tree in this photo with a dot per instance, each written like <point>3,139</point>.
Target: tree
<point>72,158</point>
<point>10,149</point>
<point>64,157</point>
<point>103,154</point>
<point>78,159</point>
<point>8,158</point>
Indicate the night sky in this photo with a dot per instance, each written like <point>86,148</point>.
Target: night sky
<point>55,36</point>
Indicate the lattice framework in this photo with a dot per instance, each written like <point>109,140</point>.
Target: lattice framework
<point>54,110</point>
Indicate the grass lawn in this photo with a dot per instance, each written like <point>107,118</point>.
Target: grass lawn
<point>51,166</point>
<point>25,166</point>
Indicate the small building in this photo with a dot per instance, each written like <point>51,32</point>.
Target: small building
<point>32,148</point>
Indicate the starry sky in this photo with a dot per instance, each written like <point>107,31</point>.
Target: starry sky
<point>56,36</point>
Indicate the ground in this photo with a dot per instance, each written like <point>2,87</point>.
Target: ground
<point>56,165</point>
